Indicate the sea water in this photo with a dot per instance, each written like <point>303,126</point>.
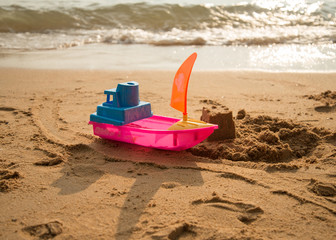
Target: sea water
<point>274,35</point>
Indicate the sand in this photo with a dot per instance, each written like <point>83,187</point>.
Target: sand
<point>275,180</point>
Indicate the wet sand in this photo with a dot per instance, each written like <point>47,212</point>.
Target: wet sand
<point>275,180</point>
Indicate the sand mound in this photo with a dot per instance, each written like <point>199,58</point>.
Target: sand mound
<point>327,97</point>
<point>8,180</point>
<point>266,139</point>
<point>44,231</point>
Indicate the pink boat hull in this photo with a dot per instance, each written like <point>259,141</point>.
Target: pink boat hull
<point>152,132</point>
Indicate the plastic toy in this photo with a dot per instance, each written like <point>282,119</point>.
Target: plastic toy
<point>125,106</point>
<point>127,119</point>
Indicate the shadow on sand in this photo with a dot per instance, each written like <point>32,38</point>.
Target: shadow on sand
<point>88,163</point>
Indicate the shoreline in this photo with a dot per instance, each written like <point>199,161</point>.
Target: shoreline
<point>171,70</point>
<point>278,58</point>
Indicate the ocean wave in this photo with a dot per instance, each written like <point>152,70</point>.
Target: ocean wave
<point>175,37</point>
<point>164,17</point>
<point>256,23</point>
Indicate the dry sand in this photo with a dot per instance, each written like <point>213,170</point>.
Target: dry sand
<point>276,180</point>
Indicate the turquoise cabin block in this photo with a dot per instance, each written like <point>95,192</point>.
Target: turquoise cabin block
<point>122,106</point>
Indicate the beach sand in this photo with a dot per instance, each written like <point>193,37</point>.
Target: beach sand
<point>276,180</point>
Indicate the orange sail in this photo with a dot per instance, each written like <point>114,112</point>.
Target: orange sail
<point>180,85</point>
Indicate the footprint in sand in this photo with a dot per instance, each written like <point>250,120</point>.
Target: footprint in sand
<point>7,109</point>
<point>178,231</point>
<point>49,162</point>
<point>15,111</point>
<point>169,185</point>
<point>326,108</point>
<point>322,189</point>
<point>52,157</point>
<point>44,231</point>
<point>248,212</point>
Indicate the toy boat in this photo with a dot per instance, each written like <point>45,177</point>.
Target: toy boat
<point>127,119</point>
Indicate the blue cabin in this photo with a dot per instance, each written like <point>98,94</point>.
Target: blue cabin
<point>122,106</point>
